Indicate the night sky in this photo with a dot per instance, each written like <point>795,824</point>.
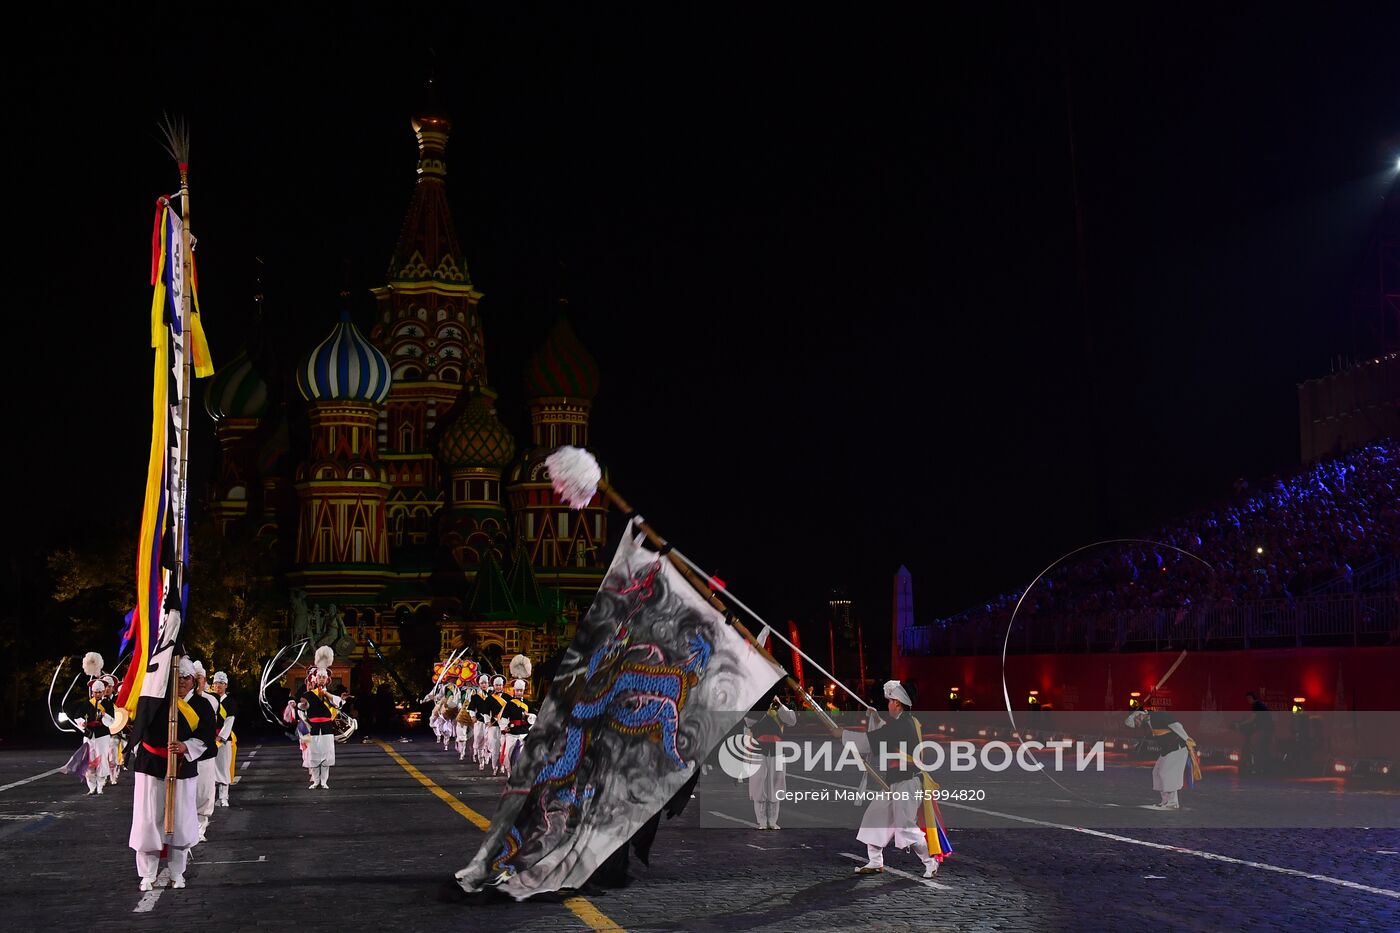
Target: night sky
<point>827,262</point>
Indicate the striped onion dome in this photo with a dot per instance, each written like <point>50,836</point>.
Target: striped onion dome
<point>237,390</point>
<point>562,367</point>
<point>344,367</point>
<point>477,437</point>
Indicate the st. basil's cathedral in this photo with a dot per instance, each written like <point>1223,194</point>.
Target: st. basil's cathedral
<point>385,481</point>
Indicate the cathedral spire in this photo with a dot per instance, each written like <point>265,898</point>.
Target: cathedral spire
<point>428,249</point>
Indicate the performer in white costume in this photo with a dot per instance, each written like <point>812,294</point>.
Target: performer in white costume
<point>226,760</point>
<point>152,750</point>
<point>769,780</point>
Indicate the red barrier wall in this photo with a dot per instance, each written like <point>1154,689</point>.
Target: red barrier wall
<point>1330,678</point>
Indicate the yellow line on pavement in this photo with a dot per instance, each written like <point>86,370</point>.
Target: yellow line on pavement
<point>582,907</point>
<point>476,819</point>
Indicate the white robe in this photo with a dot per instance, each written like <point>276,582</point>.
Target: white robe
<point>894,818</point>
<point>223,774</point>
<point>148,809</point>
<point>1169,773</point>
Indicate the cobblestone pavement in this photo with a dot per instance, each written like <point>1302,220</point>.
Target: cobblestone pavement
<point>370,853</point>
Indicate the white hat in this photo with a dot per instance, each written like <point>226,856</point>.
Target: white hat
<point>894,690</point>
<point>484,680</point>
<point>498,681</point>
<point>220,678</point>
<point>199,669</point>
<point>518,686</point>
<point>96,685</point>
<point>186,667</point>
<point>109,680</point>
<point>322,672</point>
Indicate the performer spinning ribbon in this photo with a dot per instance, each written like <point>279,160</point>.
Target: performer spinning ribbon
<point>95,716</point>
<point>319,706</point>
<point>1175,750</point>
<point>893,816</point>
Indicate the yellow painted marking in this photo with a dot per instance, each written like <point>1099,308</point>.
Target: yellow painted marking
<point>476,819</point>
<point>582,907</point>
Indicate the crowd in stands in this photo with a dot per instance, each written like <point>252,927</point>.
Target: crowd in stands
<point>1280,539</point>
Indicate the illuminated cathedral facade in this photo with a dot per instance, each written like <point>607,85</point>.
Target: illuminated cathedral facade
<point>387,483</point>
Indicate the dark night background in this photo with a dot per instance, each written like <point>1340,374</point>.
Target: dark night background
<point>827,262</point>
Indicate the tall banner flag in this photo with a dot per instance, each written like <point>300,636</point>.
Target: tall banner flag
<point>160,589</point>
<point>653,681</point>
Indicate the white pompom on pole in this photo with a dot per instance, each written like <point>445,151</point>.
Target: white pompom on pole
<point>575,474</point>
<point>92,664</point>
<point>325,657</point>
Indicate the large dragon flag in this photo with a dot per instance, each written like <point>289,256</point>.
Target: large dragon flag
<point>653,681</point>
<point>161,590</point>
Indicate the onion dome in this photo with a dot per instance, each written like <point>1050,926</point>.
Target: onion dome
<point>562,367</point>
<point>477,437</point>
<point>237,390</point>
<point>344,367</point>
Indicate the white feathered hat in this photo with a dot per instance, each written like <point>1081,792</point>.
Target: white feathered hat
<point>325,657</point>
<point>92,664</point>
<point>520,667</point>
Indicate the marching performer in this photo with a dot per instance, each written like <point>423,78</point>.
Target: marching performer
<point>893,816</point>
<point>319,707</point>
<point>116,750</point>
<point>439,711</point>
<point>195,734</point>
<point>769,780</point>
<point>495,706</point>
<point>95,716</point>
<point>447,725</point>
<point>479,715</point>
<point>465,722</point>
<point>206,763</point>
<point>515,713</point>
<point>227,758</point>
<point>1175,751</point>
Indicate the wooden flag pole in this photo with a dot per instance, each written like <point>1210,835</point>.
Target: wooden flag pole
<point>177,136</point>
<point>704,589</point>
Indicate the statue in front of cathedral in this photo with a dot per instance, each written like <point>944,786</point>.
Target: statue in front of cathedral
<point>301,623</point>
<point>334,633</point>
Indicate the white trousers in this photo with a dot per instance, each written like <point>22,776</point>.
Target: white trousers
<point>99,762</point>
<point>491,752</point>
<point>478,740</point>
<point>148,824</point>
<point>508,750</point>
<point>321,751</point>
<point>204,792</point>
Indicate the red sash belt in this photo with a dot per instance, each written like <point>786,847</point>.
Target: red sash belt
<point>158,752</point>
<point>320,719</point>
<point>769,738</point>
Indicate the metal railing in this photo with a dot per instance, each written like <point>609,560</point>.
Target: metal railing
<point>1338,619</point>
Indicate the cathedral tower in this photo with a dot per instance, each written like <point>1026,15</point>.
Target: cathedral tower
<point>341,549</point>
<point>428,328</point>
